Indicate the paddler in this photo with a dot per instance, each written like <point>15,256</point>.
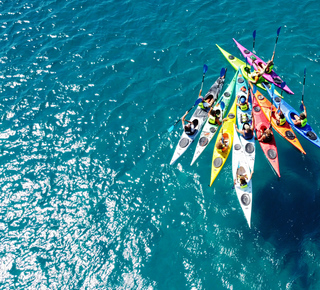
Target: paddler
<point>243,180</point>
<point>247,131</point>
<point>206,103</point>
<point>243,101</point>
<point>190,127</point>
<point>266,135</point>
<point>280,118</point>
<point>214,117</point>
<point>222,145</point>
<point>301,120</point>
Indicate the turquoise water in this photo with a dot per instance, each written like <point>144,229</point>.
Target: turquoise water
<point>88,199</point>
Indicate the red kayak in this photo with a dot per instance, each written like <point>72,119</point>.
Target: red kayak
<point>262,123</point>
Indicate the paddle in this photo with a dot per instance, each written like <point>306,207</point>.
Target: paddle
<point>278,31</point>
<point>254,40</point>
<point>272,92</point>
<point>254,90</point>
<point>304,81</point>
<point>197,102</point>
<point>205,68</point>
<point>222,105</point>
<point>234,182</point>
<point>283,84</point>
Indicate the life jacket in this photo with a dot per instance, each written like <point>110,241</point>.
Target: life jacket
<point>189,130</point>
<point>304,122</point>
<point>244,107</point>
<point>248,136</point>
<point>244,118</point>
<point>224,148</point>
<point>282,121</point>
<point>268,138</point>
<point>202,106</point>
<point>212,121</point>
<point>269,70</point>
<point>243,185</point>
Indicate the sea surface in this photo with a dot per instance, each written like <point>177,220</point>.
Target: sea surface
<point>88,199</point>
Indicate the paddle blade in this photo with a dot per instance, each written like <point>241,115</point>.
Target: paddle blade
<point>278,31</point>
<point>301,108</point>
<point>198,101</point>
<point>254,34</point>
<point>305,70</point>
<point>205,68</point>
<point>222,105</point>
<point>272,89</point>
<point>222,72</point>
<point>170,129</point>
<point>254,90</point>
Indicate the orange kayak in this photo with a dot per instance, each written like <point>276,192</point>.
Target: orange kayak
<point>285,130</point>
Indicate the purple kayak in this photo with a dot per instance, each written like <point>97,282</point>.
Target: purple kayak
<point>271,77</point>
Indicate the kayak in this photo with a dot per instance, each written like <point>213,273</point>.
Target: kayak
<point>270,77</point>
<point>245,69</point>
<point>261,123</point>
<point>241,167</point>
<point>245,117</point>
<point>209,130</point>
<point>289,112</point>
<point>227,128</point>
<point>285,130</point>
<point>201,116</point>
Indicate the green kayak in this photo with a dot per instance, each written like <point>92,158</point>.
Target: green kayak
<point>245,69</point>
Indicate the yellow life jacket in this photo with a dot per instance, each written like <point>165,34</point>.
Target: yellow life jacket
<point>244,107</point>
<point>304,122</point>
<point>282,121</point>
<point>269,70</point>
<point>212,121</point>
<point>224,148</point>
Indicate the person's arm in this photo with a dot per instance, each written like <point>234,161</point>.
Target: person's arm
<point>184,119</point>
<point>252,117</point>
<point>304,109</point>
<point>238,130</point>
<point>209,112</point>
<point>272,58</point>
<point>250,176</point>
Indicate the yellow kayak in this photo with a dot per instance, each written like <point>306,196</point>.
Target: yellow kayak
<point>219,158</point>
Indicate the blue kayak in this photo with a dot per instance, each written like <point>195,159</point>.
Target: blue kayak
<point>289,112</point>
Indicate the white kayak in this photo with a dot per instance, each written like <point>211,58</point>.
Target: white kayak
<point>245,117</point>
<point>209,130</point>
<point>201,115</point>
<point>240,166</point>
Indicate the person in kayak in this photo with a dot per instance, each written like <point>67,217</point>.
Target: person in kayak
<point>301,120</point>
<point>264,68</point>
<point>257,76</point>
<point>280,118</point>
<point>206,103</point>
<point>247,131</point>
<point>222,145</point>
<point>243,102</point>
<point>214,117</point>
<point>266,135</point>
<point>243,180</point>
<point>190,127</point>
<point>268,68</point>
